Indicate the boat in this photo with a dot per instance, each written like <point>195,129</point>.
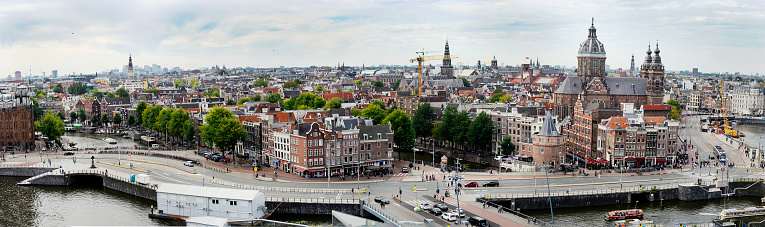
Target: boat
<point>110,141</point>
<point>631,222</point>
<point>624,214</point>
<point>742,212</point>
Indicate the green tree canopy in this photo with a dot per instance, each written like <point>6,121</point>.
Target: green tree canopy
<point>139,112</point>
<point>334,103</point>
<point>81,114</point>
<point>190,133</point>
<point>243,100</point>
<point>378,83</point>
<point>122,93</point>
<point>131,120</point>
<point>423,120</point>
<point>395,85</point>
<point>95,119</point>
<point>230,102</point>
<point>36,110</point>
<point>50,126</point>
<point>222,129</point>
<point>375,112</point>
<point>677,109</point>
<point>77,89</point>
<point>164,117</point>
<point>319,88</point>
<point>96,93</point>
<point>73,116</point>
<point>179,123</point>
<point>310,100</point>
<point>255,98</point>
<point>465,82</point>
<point>180,82</point>
<point>358,82</point>
<point>212,92</point>
<point>403,133</point>
<point>105,118</point>
<point>378,103</point>
<point>149,116</point>
<point>57,88</point>
<point>480,131</point>
<point>290,85</point>
<point>260,83</point>
<point>117,119</point>
<point>273,98</point>
<point>461,126</point>
<point>507,146</point>
<point>446,127</point>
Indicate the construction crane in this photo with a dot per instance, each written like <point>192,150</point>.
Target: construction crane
<point>726,128</point>
<point>422,58</point>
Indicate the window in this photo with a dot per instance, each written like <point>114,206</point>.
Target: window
<point>378,144</point>
<point>214,201</point>
<point>232,203</point>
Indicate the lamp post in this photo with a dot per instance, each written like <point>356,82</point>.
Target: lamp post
<point>552,216</point>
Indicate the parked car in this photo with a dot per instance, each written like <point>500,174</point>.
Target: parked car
<point>425,206</point>
<point>189,163</point>
<point>449,216</point>
<point>478,221</point>
<point>461,212</point>
<point>471,184</point>
<point>68,153</point>
<point>435,211</point>
<point>404,169</point>
<point>224,160</point>
<point>441,206</point>
<point>491,183</point>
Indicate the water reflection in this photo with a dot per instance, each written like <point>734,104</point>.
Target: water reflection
<point>85,140</point>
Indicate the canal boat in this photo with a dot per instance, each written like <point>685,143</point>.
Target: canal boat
<point>742,212</point>
<point>624,214</point>
<point>110,141</point>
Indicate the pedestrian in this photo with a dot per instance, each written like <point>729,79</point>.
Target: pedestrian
<point>484,204</point>
<point>499,209</point>
<point>352,191</point>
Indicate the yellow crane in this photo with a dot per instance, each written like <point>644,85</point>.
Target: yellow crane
<point>422,58</point>
<point>726,128</point>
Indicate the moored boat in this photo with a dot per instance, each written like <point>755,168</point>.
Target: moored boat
<point>110,141</point>
<point>742,212</point>
<point>624,214</point>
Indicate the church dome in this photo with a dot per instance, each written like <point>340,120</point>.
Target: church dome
<point>592,47</point>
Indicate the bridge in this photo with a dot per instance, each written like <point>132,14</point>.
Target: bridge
<point>746,120</point>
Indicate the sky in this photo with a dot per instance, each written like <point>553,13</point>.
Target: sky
<point>95,36</point>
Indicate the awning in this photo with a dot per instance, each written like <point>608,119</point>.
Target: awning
<point>661,160</point>
<point>301,169</point>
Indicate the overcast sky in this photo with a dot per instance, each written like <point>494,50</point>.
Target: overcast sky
<point>94,36</point>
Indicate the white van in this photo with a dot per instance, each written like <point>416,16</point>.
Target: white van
<point>449,216</point>
<point>155,146</point>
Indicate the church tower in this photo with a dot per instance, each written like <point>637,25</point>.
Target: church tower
<point>130,68</point>
<point>655,88</point>
<point>632,66</point>
<point>494,63</point>
<point>591,61</point>
<point>446,67</point>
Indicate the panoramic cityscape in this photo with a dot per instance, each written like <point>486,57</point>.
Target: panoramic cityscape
<point>382,113</point>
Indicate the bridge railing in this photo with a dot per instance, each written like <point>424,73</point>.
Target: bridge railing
<point>516,213</point>
<point>312,200</point>
<point>382,213</point>
<point>112,176</point>
<point>22,165</point>
<point>278,189</point>
<point>556,193</point>
<point>745,180</point>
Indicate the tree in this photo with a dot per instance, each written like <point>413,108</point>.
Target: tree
<point>164,117</point>
<point>303,107</point>
<point>50,126</point>
<point>109,95</point>
<point>255,98</point>
<point>222,129</point>
<point>403,133</point>
<point>81,114</point>
<point>57,88</point>
<point>179,123</point>
<point>355,112</point>
<point>230,102</point>
<point>149,116</point>
<point>273,98</point>
<point>77,89</point>
<point>139,112</point>
<point>423,120</point>
<point>375,112</point>
<point>212,92</point>
<point>297,81</point>
<point>260,83</point>
<point>465,82</point>
<point>290,85</point>
<point>358,82</point>
<point>480,131</point>
<point>122,93</point>
<point>194,83</point>
<point>507,146</point>
<point>378,103</point>
<point>319,88</point>
<point>500,97</point>
<point>190,133</point>
<point>461,125</point>
<point>445,128</point>
<point>180,82</point>
<point>117,119</point>
<point>36,109</point>
<point>378,83</point>
<point>131,120</point>
<point>498,90</point>
<point>334,103</point>
<point>96,93</point>
<point>95,119</point>
<point>243,100</point>
<point>153,91</point>
<point>677,109</point>
<point>105,118</point>
<point>73,116</point>
<point>310,100</point>
<point>395,85</point>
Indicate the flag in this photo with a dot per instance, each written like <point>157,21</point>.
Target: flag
<point>527,58</point>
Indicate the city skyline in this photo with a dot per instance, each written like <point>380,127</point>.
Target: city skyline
<point>87,37</point>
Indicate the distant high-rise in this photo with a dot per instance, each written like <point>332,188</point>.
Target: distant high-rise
<point>446,67</point>
<point>54,74</point>
<point>17,75</point>
<point>130,68</point>
<point>695,72</point>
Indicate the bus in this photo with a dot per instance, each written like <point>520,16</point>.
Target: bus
<point>704,127</point>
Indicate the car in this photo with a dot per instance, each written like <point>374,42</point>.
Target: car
<point>441,206</point>
<point>43,149</point>
<point>435,211</point>
<point>471,184</point>
<point>478,221</point>
<point>491,183</point>
<point>382,200</point>
<point>425,206</point>
<point>449,216</point>
<point>404,170</point>
<point>417,209</point>
<point>225,160</point>
<point>68,153</point>
<point>189,163</point>
<point>461,212</point>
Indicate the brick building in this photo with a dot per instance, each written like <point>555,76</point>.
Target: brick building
<point>16,119</point>
<point>636,141</point>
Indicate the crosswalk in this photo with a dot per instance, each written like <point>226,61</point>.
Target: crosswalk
<point>746,167</point>
<point>417,202</point>
<point>412,174</point>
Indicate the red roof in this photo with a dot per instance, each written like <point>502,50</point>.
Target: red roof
<point>657,107</point>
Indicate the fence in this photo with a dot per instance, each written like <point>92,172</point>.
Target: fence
<point>381,213</point>
<point>299,190</point>
<point>745,180</point>
<point>312,200</point>
<point>112,176</point>
<point>6,165</point>
<point>581,192</point>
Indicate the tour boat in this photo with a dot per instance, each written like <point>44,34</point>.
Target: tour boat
<point>110,141</point>
<point>624,214</point>
<point>742,212</point>
<point>631,222</point>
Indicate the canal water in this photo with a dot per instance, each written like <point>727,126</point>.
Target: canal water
<point>71,206</point>
<point>86,140</point>
<point>674,213</point>
<point>753,134</point>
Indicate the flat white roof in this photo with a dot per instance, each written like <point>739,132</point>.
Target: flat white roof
<point>212,192</point>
